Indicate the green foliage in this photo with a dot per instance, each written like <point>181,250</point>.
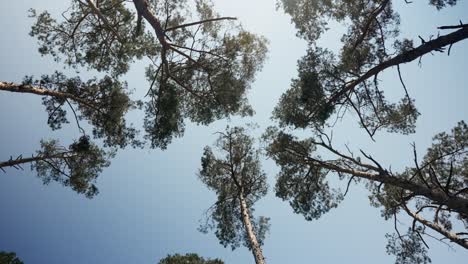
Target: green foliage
<point>298,107</point>
<point>439,4</point>
<point>9,258</point>
<point>233,170</point>
<point>408,249</point>
<point>164,120</point>
<point>324,74</point>
<point>103,103</point>
<point>188,259</point>
<point>208,89</point>
<point>299,181</point>
<point>442,172</point>
<point>77,167</point>
<point>82,40</point>
<point>444,166</point>
<point>200,72</point>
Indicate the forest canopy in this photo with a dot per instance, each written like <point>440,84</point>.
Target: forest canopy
<point>139,89</point>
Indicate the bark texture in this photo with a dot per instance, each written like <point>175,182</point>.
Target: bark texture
<point>256,249</point>
<point>20,88</point>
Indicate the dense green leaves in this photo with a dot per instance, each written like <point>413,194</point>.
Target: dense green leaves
<point>9,258</point>
<point>77,167</point>
<point>408,248</point>
<point>201,64</point>
<point>103,103</point>
<point>200,67</point>
<point>439,4</point>
<point>443,167</point>
<point>84,40</point>
<point>299,181</point>
<point>188,259</point>
<point>348,79</point>
<point>332,82</point>
<point>208,87</point>
<point>433,192</point>
<point>299,106</point>
<point>164,120</point>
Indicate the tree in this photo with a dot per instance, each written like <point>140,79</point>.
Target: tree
<point>433,193</point>
<point>200,67</point>
<point>198,70</point>
<point>188,259</point>
<point>235,174</point>
<point>9,258</point>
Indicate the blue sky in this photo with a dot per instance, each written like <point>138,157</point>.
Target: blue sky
<point>150,201</point>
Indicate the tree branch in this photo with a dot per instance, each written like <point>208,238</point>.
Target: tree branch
<point>405,57</point>
<point>200,22</point>
<point>20,88</point>
<point>98,13</point>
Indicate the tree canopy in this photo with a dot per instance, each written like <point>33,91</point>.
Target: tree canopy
<point>200,66</point>
<point>332,83</point>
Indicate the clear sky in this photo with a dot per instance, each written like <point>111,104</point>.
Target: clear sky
<point>150,201</point>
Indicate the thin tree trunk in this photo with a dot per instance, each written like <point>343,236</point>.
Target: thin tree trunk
<point>256,249</point>
<point>17,162</point>
<point>19,88</point>
<point>20,161</point>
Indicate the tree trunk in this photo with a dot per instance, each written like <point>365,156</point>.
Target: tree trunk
<point>20,88</point>
<point>455,203</point>
<point>142,9</point>
<point>256,249</point>
<point>18,162</point>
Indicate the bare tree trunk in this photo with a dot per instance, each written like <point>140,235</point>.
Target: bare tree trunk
<point>15,163</point>
<point>18,162</point>
<point>19,88</point>
<point>256,249</point>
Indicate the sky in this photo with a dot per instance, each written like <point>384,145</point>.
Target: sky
<point>151,201</point>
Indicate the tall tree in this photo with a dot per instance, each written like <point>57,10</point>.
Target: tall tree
<point>188,259</point>
<point>330,84</point>
<point>235,174</point>
<point>200,66</point>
